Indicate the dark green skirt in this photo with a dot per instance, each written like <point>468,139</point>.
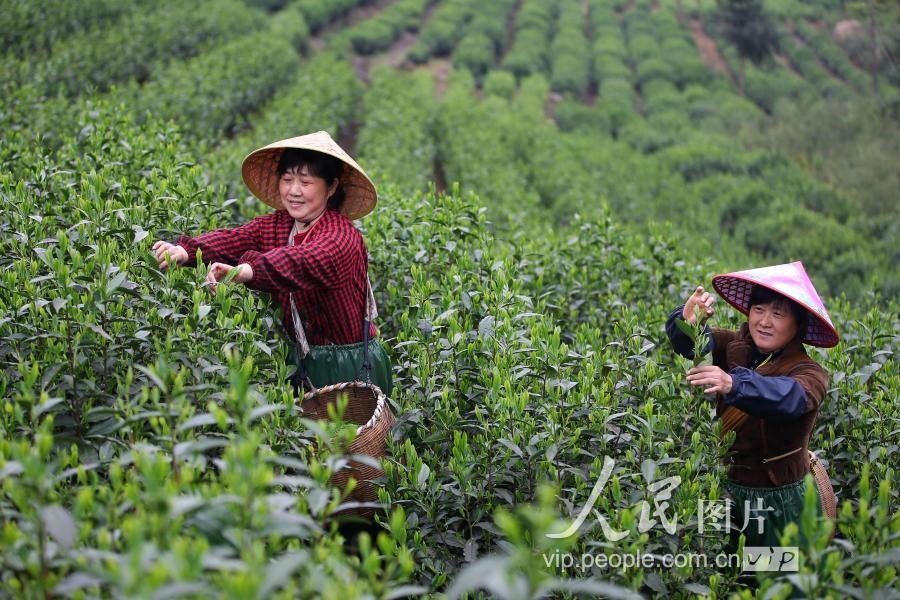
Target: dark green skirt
<point>764,512</point>
<point>327,365</point>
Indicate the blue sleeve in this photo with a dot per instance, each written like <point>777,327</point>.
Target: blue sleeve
<point>766,397</point>
<point>681,343</point>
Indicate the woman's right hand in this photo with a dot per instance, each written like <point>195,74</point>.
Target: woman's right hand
<point>700,298</point>
<point>176,254</point>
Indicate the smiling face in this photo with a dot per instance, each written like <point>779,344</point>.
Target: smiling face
<point>303,194</point>
<point>772,325</point>
<point>309,183</point>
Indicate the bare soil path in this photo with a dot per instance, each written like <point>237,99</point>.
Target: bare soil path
<point>709,52</point>
<point>440,69</point>
<point>395,56</point>
<point>785,62</point>
<point>510,31</point>
<point>361,67</point>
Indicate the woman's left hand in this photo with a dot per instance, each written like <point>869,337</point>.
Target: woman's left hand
<point>219,271</point>
<point>712,376</point>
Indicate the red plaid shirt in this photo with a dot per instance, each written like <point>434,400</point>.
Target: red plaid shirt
<point>326,270</point>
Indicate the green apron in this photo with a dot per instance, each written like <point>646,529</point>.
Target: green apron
<point>772,508</point>
<point>326,365</point>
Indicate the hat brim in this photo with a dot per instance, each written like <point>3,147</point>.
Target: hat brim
<point>260,173</point>
<point>735,289</point>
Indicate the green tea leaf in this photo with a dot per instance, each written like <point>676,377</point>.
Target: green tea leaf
<point>685,327</point>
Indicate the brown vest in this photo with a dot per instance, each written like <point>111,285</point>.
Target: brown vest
<point>769,452</point>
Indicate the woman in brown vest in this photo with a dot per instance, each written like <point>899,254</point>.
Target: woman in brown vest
<point>767,389</point>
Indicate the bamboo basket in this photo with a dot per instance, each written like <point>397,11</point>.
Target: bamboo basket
<point>367,406</point>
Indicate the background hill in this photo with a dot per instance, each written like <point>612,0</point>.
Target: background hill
<point>554,176</point>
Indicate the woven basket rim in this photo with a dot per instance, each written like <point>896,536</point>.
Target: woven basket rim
<point>380,399</point>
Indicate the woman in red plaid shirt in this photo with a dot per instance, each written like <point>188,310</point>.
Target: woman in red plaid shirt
<point>307,255</point>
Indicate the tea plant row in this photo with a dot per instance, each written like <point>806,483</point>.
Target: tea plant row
<point>319,14</point>
<point>570,57</point>
<point>137,47</point>
<point>134,423</point>
<point>377,34</point>
<point>395,137</point>
<point>485,38</point>
<point>31,29</point>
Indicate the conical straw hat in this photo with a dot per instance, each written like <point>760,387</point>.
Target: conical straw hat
<point>789,280</point>
<point>259,171</point>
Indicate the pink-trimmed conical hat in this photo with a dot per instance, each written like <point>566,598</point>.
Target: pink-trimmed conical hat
<point>259,171</point>
<point>789,280</point>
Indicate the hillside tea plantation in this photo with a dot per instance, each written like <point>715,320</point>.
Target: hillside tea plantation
<point>554,177</point>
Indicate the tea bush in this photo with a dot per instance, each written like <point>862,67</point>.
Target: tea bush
<point>269,5</point>
<point>31,29</point>
<point>466,132</point>
<point>617,102</point>
<point>805,61</point>
<point>661,97</point>
<point>570,63</point>
<point>442,33</point>
<point>475,52</point>
<point>720,111</point>
<point>379,33</point>
<point>484,38</point>
<point>134,48</point>
<point>491,19</point>
<point>530,48</point>
<point>131,426</point>
<point>832,56</point>
<point>214,94</point>
<point>685,64</point>
<point>646,138</point>
<point>591,285</point>
<point>291,25</point>
<point>609,67</point>
<point>395,140</point>
<point>858,145</point>
<point>319,14</point>
<point>500,83</point>
<point>572,115</point>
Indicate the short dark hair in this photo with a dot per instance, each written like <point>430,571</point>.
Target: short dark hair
<point>763,295</point>
<point>318,164</point>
